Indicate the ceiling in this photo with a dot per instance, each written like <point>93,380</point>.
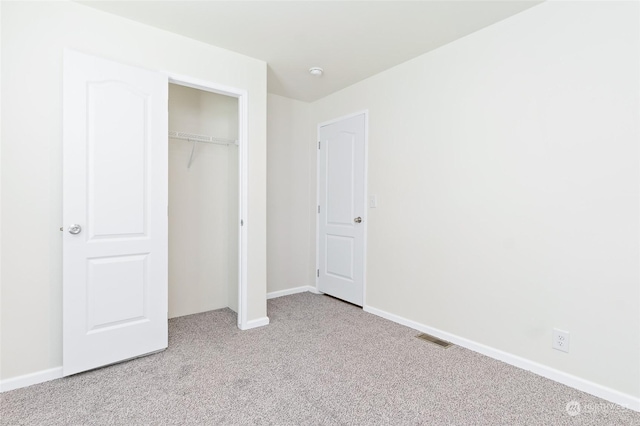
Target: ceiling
<point>350,40</point>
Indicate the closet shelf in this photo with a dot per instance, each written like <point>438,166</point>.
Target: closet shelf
<point>195,138</point>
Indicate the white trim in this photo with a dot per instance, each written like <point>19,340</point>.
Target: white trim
<point>259,322</point>
<point>7,385</point>
<point>611,395</point>
<point>315,208</point>
<point>344,117</point>
<point>207,86</point>
<point>243,170</point>
<point>366,206</point>
<point>243,230</point>
<point>366,197</point>
<point>291,291</point>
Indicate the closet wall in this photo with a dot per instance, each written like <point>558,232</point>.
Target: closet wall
<point>203,204</point>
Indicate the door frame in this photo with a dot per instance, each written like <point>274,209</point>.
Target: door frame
<point>366,197</point>
<point>243,172</point>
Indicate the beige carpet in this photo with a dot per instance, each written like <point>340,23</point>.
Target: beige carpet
<point>320,362</point>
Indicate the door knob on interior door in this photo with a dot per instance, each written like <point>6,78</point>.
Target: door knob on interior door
<point>75,229</point>
<point>357,219</point>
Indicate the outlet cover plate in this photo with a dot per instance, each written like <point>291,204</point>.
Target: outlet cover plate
<point>560,340</point>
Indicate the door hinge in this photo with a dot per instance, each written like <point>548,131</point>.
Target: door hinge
<point>241,222</point>
<point>318,144</point>
<point>318,273</point>
<point>318,209</point>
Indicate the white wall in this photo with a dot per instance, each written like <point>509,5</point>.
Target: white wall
<point>291,262</point>
<point>203,256</point>
<point>506,169</point>
<point>33,37</point>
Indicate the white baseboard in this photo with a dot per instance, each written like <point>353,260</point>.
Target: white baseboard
<point>290,291</point>
<point>259,322</point>
<point>611,395</point>
<point>30,379</point>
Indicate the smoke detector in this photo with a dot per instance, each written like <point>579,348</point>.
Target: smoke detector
<point>316,71</point>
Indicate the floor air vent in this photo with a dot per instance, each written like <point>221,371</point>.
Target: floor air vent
<point>431,339</point>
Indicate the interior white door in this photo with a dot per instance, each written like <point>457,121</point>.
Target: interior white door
<point>341,210</point>
<point>114,212</point>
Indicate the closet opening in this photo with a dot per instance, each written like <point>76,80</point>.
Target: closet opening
<point>207,190</point>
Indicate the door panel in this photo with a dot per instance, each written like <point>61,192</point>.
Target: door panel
<point>340,256</point>
<point>342,195</point>
<point>116,200</point>
<point>117,291</point>
<point>115,188</point>
<point>340,178</point>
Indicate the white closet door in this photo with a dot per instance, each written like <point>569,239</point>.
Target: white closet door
<point>114,212</point>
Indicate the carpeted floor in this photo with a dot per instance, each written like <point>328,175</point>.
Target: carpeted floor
<point>319,362</point>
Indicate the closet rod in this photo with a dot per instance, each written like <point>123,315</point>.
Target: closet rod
<point>193,137</point>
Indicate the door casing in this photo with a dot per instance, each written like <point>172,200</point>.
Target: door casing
<point>366,197</point>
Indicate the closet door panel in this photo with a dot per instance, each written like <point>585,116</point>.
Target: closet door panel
<point>114,211</point>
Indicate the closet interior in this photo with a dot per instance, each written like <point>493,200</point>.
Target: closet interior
<point>203,201</point>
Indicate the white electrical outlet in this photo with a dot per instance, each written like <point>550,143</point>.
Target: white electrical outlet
<point>560,340</point>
